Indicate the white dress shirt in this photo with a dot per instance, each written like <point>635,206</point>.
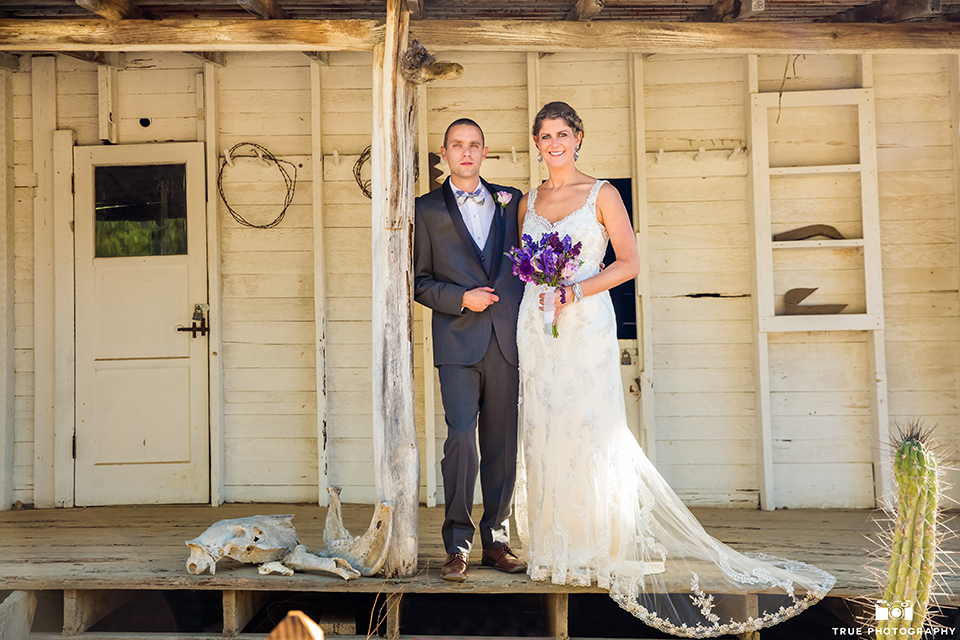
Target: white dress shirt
<point>478,218</point>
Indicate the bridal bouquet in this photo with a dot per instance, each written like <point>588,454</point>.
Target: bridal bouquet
<point>552,262</point>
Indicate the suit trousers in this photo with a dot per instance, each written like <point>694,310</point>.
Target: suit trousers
<point>480,402</point>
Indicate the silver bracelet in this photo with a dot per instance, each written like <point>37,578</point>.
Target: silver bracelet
<point>577,292</point>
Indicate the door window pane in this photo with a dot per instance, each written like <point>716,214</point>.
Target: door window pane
<point>141,210</point>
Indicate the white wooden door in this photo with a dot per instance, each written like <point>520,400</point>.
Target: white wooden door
<point>142,397</point>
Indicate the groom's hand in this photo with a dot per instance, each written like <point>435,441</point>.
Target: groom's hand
<point>479,299</point>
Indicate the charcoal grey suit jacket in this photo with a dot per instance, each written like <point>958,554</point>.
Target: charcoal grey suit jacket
<point>447,263</point>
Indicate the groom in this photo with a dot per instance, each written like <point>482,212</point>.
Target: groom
<point>462,231</point>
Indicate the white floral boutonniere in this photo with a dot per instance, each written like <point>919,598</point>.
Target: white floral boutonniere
<point>503,198</point>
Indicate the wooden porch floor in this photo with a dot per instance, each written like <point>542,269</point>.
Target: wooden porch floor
<point>142,548</point>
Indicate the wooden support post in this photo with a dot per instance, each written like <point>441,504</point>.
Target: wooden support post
<point>319,278</point>
<point>239,607</point>
<point>642,299</point>
<point>426,318</point>
<point>113,9</point>
<point>7,298</point>
<point>752,610</point>
<point>215,339</point>
<point>533,107</point>
<point>337,623</point>
<point>396,459</point>
<point>16,615</point>
<point>394,606</point>
<point>758,196</point>
<point>558,605</point>
<point>109,102</point>
<point>83,609</point>
<point>44,85</point>
<point>865,70</point>
<point>64,313</point>
<point>884,487</point>
<point>953,82</point>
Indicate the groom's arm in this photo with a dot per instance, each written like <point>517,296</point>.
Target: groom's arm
<point>440,296</point>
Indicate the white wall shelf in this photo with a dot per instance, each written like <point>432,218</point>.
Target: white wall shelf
<point>826,322</point>
<point>847,243</point>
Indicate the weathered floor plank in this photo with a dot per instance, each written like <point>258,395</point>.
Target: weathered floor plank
<point>143,548</point>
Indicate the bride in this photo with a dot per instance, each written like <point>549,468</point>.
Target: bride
<point>590,506</point>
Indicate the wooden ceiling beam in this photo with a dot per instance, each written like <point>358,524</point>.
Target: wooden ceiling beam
<point>266,9</point>
<point>584,10</point>
<point>189,35</point>
<point>416,8</point>
<point>729,11</point>
<point>23,35</point>
<point>889,11</point>
<point>113,9</point>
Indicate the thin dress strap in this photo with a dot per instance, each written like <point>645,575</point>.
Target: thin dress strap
<point>594,193</point>
<point>531,198</point>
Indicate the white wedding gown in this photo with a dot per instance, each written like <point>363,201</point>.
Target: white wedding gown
<point>591,508</point>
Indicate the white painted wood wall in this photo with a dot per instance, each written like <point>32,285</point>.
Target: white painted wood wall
<point>698,239</point>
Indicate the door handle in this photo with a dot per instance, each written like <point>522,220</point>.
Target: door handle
<point>198,316</point>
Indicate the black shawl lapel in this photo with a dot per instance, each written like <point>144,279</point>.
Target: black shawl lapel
<point>454,212</point>
<point>500,224</point>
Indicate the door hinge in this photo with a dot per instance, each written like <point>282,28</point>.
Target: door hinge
<point>74,446</point>
<point>73,184</point>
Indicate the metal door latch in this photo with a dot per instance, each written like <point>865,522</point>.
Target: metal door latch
<point>198,316</point>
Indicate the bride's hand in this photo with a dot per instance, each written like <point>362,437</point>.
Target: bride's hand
<point>558,303</point>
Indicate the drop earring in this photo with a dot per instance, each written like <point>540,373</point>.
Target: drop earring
<point>539,156</point>
<point>576,153</point>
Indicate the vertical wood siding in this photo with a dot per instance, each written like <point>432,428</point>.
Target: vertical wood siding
<point>25,182</point>
<point>699,252</point>
<point>270,442</point>
<point>700,281</point>
<point>918,213</point>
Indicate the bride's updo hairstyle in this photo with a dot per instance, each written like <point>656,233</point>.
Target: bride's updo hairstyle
<point>558,111</point>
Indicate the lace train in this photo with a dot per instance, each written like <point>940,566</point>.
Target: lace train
<point>590,507</point>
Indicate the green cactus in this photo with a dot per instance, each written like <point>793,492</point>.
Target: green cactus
<point>914,546</point>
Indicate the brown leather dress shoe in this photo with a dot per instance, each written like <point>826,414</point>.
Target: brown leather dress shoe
<point>503,559</point>
<point>455,568</point>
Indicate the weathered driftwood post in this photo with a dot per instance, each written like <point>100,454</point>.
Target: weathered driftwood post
<point>396,72</point>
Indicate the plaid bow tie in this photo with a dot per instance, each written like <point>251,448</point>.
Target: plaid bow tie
<point>463,196</point>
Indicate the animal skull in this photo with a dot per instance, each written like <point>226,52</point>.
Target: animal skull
<point>265,540</point>
<point>256,540</point>
<point>365,553</point>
